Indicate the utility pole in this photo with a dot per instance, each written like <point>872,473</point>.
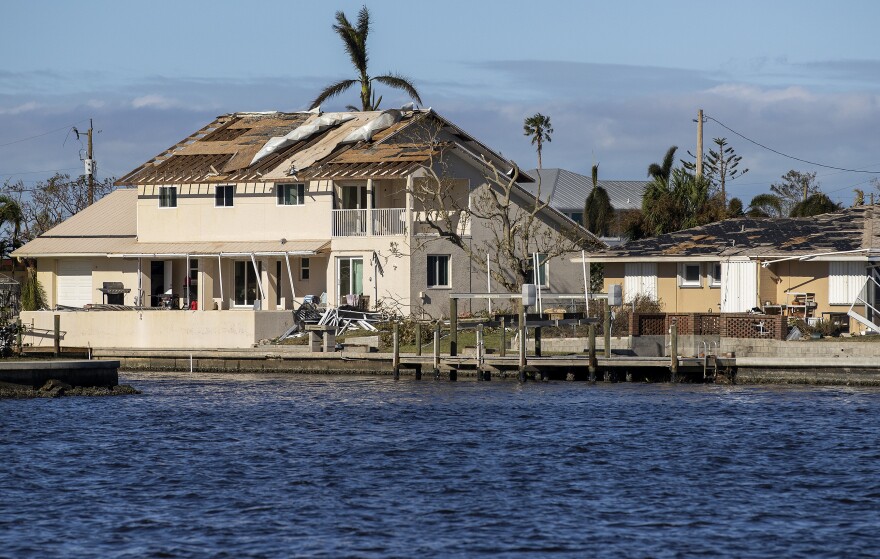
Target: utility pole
<point>90,167</point>
<point>699,143</point>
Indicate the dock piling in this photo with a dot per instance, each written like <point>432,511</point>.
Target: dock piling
<point>607,327</point>
<point>57,335</point>
<point>592,353</point>
<point>418,338</point>
<point>396,348</point>
<point>522,342</point>
<point>673,351</point>
<point>437,350</point>
<point>18,343</point>
<point>453,327</point>
<point>503,349</point>
<point>538,341</point>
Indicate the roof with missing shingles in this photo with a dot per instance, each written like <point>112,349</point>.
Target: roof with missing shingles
<point>851,229</point>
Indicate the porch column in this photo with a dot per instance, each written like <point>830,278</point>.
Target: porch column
<point>409,204</point>
<point>269,269</point>
<point>369,207</point>
<point>290,278</point>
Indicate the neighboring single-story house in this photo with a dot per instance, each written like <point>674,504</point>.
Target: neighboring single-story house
<point>816,267</point>
<point>256,211</point>
<point>567,191</point>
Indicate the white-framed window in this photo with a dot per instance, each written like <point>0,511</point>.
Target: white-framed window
<point>438,270</point>
<point>690,275</point>
<point>290,194</point>
<point>543,270</point>
<point>167,196</point>
<point>714,274</point>
<point>304,268</point>
<point>224,196</point>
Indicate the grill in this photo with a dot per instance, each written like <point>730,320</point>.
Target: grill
<point>114,292</point>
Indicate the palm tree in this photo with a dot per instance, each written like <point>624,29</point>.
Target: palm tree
<point>11,213</point>
<point>815,204</point>
<point>765,205</point>
<point>598,211</point>
<point>538,127</point>
<point>660,172</point>
<point>355,40</point>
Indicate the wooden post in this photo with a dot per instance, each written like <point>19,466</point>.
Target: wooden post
<point>673,351</point>
<point>522,342</point>
<point>592,353</point>
<point>607,327</point>
<point>503,349</point>
<point>453,327</point>
<point>418,338</point>
<point>396,358</point>
<point>18,335</point>
<point>437,350</point>
<point>57,335</point>
<point>538,341</point>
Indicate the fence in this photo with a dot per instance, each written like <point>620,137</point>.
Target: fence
<point>727,325</point>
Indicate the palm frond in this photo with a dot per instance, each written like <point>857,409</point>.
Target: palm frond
<point>400,82</point>
<point>363,26</point>
<point>332,91</point>
<point>353,41</point>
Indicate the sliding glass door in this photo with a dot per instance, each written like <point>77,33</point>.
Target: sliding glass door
<point>349,278</point>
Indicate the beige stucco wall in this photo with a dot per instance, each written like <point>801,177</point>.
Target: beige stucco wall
<point>255,215</point>
<point>161,329</point>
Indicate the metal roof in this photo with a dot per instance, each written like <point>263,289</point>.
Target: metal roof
<point>567,191</point>
<point>128,246</point>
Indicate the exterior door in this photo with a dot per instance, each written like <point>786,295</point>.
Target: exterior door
<point>349,277</point>
<point>739,286</point>
<point>74,283</point>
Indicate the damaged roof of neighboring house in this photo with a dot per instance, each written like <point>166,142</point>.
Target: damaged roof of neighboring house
<point>855,230</point>
<point>567,191</point>
<point>274,146</point>
<point>108,227</point>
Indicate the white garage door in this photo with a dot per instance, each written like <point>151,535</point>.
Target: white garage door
<point>74,283</point>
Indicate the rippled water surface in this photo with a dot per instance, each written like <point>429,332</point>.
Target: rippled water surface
<point>277,466</point>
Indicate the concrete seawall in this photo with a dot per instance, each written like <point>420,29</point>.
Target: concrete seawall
<point>75,373</point>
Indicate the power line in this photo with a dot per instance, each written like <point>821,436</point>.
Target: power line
<point>746,138</point>
<point>41,135</point>
<point>38,172</point>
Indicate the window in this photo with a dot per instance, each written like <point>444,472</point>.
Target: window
<point>290,194</point>
<point>167,196</point>
<point>304,271</point>
<point>689,275</point>
<point>224,195</point>
<point>715,275</point>
<point>246,287</point>
<point>542,270</point>
<point>438,270</point>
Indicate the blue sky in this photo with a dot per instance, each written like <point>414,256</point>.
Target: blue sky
<point>621,81</point>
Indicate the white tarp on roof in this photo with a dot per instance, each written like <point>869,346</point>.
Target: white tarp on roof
<point>365,133</point>
<point>302,132</point>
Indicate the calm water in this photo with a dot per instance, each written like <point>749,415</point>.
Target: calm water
<point>275,466</point>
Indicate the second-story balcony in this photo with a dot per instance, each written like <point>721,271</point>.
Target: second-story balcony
<point>384,222</point>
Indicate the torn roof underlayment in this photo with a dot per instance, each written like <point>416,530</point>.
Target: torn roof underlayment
<point>243,147</point>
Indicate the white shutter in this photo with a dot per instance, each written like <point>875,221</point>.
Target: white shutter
<point>74,283</point>
<point>845,281</point>
<point>739,286</point>
<point>640,278</point>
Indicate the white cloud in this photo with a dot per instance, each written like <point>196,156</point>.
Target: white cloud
<point>155,102</point>
<point>23,108</point>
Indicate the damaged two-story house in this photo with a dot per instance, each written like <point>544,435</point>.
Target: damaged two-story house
<point>241,220</point>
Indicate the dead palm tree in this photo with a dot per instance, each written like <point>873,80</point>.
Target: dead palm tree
<point>538,127</point>
<point>355,40</point>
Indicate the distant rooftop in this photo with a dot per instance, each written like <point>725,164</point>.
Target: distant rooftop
<point>567,191</point>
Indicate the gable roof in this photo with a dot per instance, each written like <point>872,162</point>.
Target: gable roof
<point>853,230</point>
<point>567,190</point>
<point>224,150</point>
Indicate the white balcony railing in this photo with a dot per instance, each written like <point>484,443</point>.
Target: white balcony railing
<point>382,222</point>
